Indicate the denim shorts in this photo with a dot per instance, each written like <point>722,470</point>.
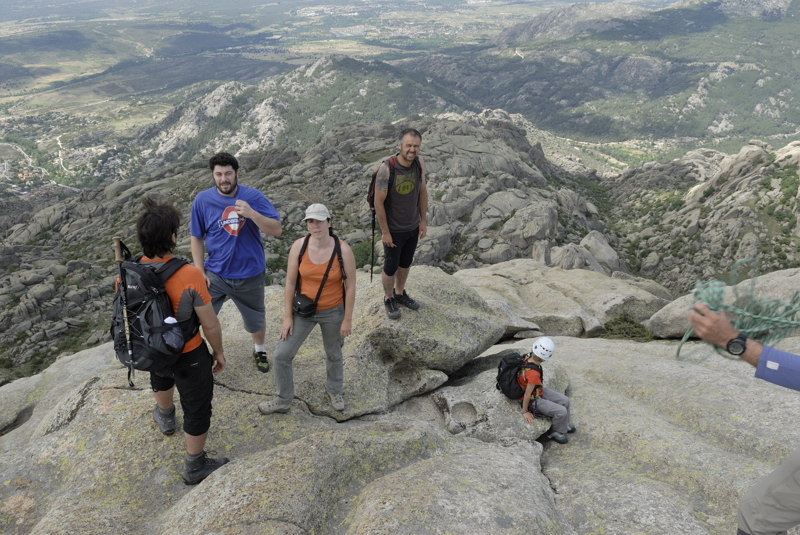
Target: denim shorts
<point>247,295</point>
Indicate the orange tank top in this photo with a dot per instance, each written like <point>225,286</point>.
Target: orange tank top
<point>311,276</point>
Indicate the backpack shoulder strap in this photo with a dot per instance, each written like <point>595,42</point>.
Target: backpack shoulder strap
<point>299,261</point>
<point>391,162</point>
<point>530,366</point>
<point>168,268</point>
<point>338,249</point>
<point>303,248</point>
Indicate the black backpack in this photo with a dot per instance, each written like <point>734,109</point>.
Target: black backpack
<point>371,201</point>
<point>507,371</point>
<point>371,192</point>
<point>146,335</point>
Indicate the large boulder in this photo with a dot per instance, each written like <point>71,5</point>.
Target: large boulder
<point>663,446</point>
<point>597,244</point>
<point>574,303</point>
<point>79,452</point>
<point>385,361</point>
<point>574,256</point>
<point>375,479</point>
<point>779,287</point>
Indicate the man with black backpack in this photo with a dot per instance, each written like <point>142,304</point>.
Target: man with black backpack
<point>401,205</point>
<point>192,373</point>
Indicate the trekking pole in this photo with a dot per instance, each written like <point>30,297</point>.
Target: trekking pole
<point>123,295</point>
<point>372,249</point>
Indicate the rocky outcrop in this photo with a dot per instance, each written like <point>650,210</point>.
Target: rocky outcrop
<point>81,453</point>
<point>565,22</point>
<point>387,362</point>
<point>494,197</point>
<point>701,214</point>
<point>532,296</point>
<point>776,288</point>
<point>663,445</point>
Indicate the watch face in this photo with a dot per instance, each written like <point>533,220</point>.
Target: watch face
<point>736,346</point>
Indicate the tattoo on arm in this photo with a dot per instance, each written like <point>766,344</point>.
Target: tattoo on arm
<point>382,179</point>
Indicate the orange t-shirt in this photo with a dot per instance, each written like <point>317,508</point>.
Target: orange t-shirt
<point>528,376</point>
<point>311,276</point>
<point>186,289</point>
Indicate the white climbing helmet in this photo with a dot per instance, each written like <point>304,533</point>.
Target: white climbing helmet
<point>543,347</point>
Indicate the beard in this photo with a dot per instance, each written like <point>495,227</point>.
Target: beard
<point>227,188</point>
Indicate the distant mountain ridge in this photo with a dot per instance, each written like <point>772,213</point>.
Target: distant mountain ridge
<point>769,9</point>
<point>562,23</point>
<point>293,109</point>
<point>614,72</point>
<point>636,82</point>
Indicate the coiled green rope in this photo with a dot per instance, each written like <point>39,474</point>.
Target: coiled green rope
<point>767,320</point>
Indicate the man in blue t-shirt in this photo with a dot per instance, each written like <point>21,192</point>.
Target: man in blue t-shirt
<point>227,222</point>
<point>772,505</point>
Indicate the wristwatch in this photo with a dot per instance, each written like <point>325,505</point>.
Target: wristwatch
<point>736,346</point>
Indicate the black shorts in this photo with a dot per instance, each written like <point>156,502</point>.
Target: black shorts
<point>195,382</point>
<point>402,254</point>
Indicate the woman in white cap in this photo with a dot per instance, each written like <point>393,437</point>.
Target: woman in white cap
<point>320,290</point>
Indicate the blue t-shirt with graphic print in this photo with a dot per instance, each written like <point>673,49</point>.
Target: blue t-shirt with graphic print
<point>233,243</point>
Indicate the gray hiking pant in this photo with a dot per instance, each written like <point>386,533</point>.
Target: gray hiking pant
<point>329,321</point>
<point>554,405</point>
<point>772,505</point>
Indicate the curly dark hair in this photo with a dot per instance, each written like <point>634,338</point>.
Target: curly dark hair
<point>223,159</point>
<point>156,227</point>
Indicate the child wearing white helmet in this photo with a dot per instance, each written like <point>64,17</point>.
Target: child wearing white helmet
<point>540,400</point>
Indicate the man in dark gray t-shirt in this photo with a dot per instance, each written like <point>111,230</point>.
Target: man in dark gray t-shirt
<point>401,210</point>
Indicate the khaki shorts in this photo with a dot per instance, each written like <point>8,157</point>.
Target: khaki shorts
<point>772,505</point>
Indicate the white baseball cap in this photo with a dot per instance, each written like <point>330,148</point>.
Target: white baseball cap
<point>318,212</point>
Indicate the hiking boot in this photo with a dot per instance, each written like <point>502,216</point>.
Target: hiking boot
<point>273,406</point>
<point>405,300</point>
<point>558,437</point>
<point>570,428</point>
<point>165,420</point>
<point>337,401</point>
<point>391,308</point>
<point>197,467</point>
<point>261,361</point>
